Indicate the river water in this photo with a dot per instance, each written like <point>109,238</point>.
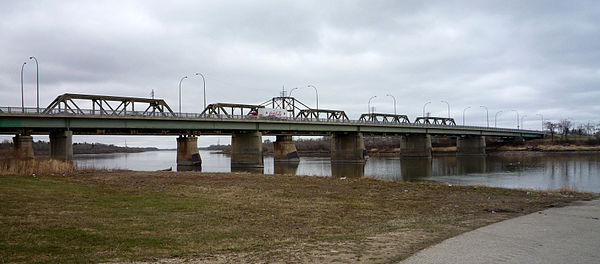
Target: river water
<point>537,171</point>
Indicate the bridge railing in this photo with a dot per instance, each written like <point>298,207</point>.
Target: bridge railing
<point>89,112</point>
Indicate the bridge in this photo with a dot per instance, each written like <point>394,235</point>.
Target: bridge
<point>111,115</point>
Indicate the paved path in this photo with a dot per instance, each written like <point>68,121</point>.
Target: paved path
<point>558,235</point>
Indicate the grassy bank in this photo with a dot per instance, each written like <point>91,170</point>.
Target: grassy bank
<point>126,216</point>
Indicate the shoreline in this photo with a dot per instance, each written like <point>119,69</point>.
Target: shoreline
<point>247,217</point>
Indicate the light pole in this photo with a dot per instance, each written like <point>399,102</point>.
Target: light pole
<point>523,117</point>
<point>496,117</point>
<point>37,82</point>
<point>369,104</point>
<point>424,107</point>
<point>316,95</point>
<point>464,115</point>
<point>184,77</point>
<point>204,86</point>
<point>290,94</point>
<point>448,107</point>
<point>517,118</point>
<point>22,92</point>
<point>487,115</point>
<point>394,102</point>
<point>542,116</point>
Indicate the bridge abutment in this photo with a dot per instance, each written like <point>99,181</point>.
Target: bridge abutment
<point>61,145</point>
<point>188,156</point>
<point>23,146</point>
<point>285,150</point>
<point>246,150</point>
<point>470,145</point>
<point>415,146</point>
<point>348,148</point>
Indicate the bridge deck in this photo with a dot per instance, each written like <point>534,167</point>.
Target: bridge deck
<point>131,123</point>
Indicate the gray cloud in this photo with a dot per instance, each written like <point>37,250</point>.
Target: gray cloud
<point>538,57</point>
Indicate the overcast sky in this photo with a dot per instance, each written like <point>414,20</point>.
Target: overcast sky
<point>537,57</point>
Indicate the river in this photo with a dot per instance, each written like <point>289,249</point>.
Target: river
<point>533,171</point>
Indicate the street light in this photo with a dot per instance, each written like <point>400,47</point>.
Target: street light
<point>22,92</point>
<point>448,107</point>
<point>523,117</point>
<point>542,120</point>
<point>204,85</point>
<point>496,117</point>
<point>394,102</point>
<point>316,95</point>
<point>184,77</point>
<point>487,115</point>
<point>37,81</point>
<point>517,118</point>
<point>290,94</point>
<point>424,107</point>
<point>464,115</point>
<point>369,104</point>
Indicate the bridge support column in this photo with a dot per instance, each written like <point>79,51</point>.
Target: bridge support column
<point>188,157</point>
<point>23,146</point>
<point>418,146</point>
<point>470,145</point>
<point>285,150</point>
<point>348,148</point>
<point>246,150</point>
<point>61,145</point>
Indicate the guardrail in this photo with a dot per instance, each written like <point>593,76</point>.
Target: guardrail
<point>90,112</point>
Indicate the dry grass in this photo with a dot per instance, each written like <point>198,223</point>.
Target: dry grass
<point>34,166</point>
<point>241,218</point>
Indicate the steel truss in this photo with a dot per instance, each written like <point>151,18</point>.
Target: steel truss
<point>384,118</point>
<point>234,109</point>
<point>430,120</point>
<point>108,105</point>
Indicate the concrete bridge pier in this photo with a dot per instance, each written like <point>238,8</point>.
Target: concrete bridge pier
<point>23,146</point>
<point>188,157</point>
<point>246,150</point>
<point>470,145</point>
<point>348,148</point>
<point>415,146</point>
<point>61,145</point>
<point>285,150</point>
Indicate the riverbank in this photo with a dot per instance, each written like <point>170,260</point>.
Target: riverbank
<point>124,216</point>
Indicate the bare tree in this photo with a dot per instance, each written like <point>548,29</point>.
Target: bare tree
<point>552,128</point>
<point>565,126</point>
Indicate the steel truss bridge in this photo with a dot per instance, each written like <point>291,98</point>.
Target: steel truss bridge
<point>114,115</point>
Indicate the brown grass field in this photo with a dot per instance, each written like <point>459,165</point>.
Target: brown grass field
<point>63,215</point>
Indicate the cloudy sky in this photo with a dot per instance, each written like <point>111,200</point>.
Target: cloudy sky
<point>537,57</point>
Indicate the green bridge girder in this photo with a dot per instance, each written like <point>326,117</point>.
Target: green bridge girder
<point>120,125</point>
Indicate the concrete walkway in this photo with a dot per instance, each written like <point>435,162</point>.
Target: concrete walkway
<point>558,235</point>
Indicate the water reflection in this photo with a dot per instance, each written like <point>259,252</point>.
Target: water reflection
<point>415,168</point>
<point>189,168</point>
<point>287,167</point>
<point>545,171</point>
<point>248,169</point>
<point>348,170</point>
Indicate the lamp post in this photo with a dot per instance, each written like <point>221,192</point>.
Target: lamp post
<point>487,115</point>
<point>542,116</point>
<point>369,104</point>
<point>496,117</point>
<point>290,94</point>
<point>394,102</point>
<point>37,82</point>
<point>448,107</point>
<point>204,87</point>
<point>517,118</point>
<point>523,117</point>
<point>316,95</point>
<point>424,107</point>
<point>184,77</point>
<point>22,92</point>
<point>464,115</point>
